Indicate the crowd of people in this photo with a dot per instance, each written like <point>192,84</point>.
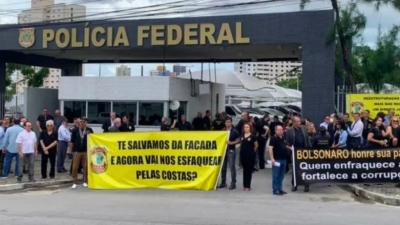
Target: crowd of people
<point>57,141</point>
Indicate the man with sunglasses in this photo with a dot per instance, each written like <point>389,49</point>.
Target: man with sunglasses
<point>27,149</point>
<point>79,147</point>
<point>48,141</point>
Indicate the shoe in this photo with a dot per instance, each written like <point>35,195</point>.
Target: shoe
<point>74,186</point>
<point>306,189</point>
<point>32,181</point>
<point>222,186</point>
<point>283,192</point>
<point>85,185</point>
<point>255,170</point>
<point>19,180</point>
<point>278,193</point>
<point>232,187</point>
<point>294,188</point>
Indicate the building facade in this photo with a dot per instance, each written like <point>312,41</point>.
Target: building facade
<point>123,71</point>
<point>178,69</point>
<point>47,11</point>
<point>271,72</point>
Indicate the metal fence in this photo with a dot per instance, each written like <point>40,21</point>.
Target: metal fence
<point>12,105</point>
<point>342,91</point>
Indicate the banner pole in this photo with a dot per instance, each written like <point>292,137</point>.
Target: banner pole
<point>223,159</point>
<point>294,167</point>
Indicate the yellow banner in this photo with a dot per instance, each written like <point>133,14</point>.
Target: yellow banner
<point>375,103</point>
<point>168,160</point>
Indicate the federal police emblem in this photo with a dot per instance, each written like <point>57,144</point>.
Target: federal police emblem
<point>27,37</point>
<point>98,160</point>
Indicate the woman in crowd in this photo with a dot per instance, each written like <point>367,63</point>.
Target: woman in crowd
<point>340,136</point>
<point>377,135</point>
<point>248,148</point>
<point>311,131</point>
<point>393,131</point>
<point>287,124</point>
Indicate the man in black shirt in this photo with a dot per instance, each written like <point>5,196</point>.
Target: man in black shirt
<point>42,118</point>
<point>367,121</point>
<point>79,147</point>
<point>278,152</point>
<point>274,123</point>
<point>207,120</point>
<point>245,119</point>
<point>198,122</point>
<point>230,155</point>
<point>48,141</point>
<point>184,124</point>
<point>262,138</point>
<point>126,126</point>
<point>218,123</point>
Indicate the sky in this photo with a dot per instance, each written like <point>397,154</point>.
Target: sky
<point>386,17</point>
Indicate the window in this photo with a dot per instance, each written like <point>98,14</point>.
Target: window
<point>126,108</point>
<point>150,113</point>
<point>74,109</point>
<point>178,113</point>
<point>98,112</point>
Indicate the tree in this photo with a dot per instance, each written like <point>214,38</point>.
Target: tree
<point>353,23</point>
<point>32,76</point>
<point>343,43</point>
<point>381,65</point>
<point>292,83</point>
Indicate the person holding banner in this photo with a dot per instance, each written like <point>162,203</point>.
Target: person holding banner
<point>355,132</point>
<point>79,146</point>
<point>297,136</point>
<point>278,153</point>
<point>165,124</point>
<point>230,156</point>
<point>393,131</point>
<point>248,148</point>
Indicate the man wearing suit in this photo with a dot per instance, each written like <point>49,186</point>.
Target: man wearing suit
<point>109,123</point>
<point>297,136</point>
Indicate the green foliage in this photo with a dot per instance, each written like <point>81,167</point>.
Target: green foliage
<point>291,83</point>
<point>378,3</point>
<point>31,76</point>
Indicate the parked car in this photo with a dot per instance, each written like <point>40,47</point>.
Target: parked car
<point>234,112</point>
<point>273,112</point>
<point>293,107</point>
<point>253,112</point>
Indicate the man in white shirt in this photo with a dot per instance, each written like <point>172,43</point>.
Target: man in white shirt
<point>326,122</point>
<point>27,149</point>
<point>355,132</point>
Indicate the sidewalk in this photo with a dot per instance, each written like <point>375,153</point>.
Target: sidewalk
<point>386,194</point>
<point>11,183</point>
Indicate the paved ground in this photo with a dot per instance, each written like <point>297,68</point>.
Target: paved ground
<point>59,176</point>
<point>64,206</point>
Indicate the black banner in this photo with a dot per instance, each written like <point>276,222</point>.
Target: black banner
<point>346,166</point>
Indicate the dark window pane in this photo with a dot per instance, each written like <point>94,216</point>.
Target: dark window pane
<point>74,109</point>
<point>98,112</point>
<point>125,108</point>
<point>150,113</point>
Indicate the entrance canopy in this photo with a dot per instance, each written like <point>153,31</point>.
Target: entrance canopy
<point>298,36</point>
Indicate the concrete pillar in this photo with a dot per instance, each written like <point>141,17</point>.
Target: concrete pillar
<point>73,69</point>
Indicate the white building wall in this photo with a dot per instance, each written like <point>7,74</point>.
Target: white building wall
<point>272,72</point>
<point>180,90</point>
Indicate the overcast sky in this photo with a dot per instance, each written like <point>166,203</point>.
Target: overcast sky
<point>386,17</point>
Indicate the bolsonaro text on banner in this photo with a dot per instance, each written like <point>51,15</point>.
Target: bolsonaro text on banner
<point>169,160</point>
<point>346,166</point>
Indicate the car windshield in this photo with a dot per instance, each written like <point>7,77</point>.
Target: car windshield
<point>252,110</point>
<point>274,112</point>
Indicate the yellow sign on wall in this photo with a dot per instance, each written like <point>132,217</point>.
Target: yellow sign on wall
<point>375,103</point>
<point>169,160</point>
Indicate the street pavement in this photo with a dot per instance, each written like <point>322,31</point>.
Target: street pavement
<point>61,205</point>
<point>37,174</point>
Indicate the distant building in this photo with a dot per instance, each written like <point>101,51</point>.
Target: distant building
<point>47,11</point>
<point>178,69</point>
<point>123,71</point>
<point>272,72</point>
<point>160,71</point>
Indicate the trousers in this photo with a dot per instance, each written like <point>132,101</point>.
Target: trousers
<point>29,159</point>
<point>61,155</point>
<point>278,174</point>
<point>7,164</point>
<point>230,158</point>
<point>247,158</point>
<point>79,157</point>
<point>51,157</point>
